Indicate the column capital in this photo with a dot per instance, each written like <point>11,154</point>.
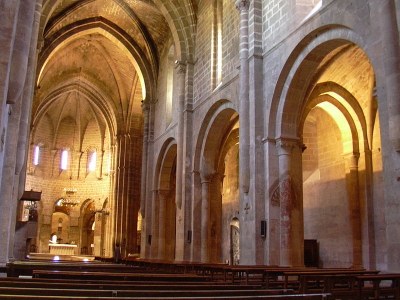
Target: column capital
<point>180,66</point>
<point>242,5</point>
<point>286,145</point>
<point>352,159</point>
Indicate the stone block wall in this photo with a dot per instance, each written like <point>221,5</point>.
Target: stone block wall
<point>326,213</point>
<point>230,40</point>
<point>230,47</point>
<point>202,70</point>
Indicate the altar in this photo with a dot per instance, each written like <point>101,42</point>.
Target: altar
<point>63,249</point>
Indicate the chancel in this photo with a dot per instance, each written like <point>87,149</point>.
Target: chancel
<point>245,133</point>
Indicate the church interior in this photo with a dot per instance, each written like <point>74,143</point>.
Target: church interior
<point>244,133</point>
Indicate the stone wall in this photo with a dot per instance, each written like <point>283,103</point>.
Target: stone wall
<point>325,199</point>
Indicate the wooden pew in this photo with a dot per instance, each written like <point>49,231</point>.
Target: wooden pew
<point>276,297</point>
<point>378,285</point>
<point>124,285</point>
<point>118,276</point>
<point>26,268</point>
<point>315,278</point>
<point>173,266</point>
<point>40,288</point>
<point>136,293</point>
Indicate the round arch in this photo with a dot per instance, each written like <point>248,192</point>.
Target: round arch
<point>165,201</point>
<point>303,63</point>
<point>207,122</point>
<point>346,102</point>
<point>164,165</point>
<point>219,131</point>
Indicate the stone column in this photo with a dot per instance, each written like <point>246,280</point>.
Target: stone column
<point>181,72</point>
<point>101,160</point>
<point>196,213</point>
<point>26,110</point>
<point>244,132</point>
<point>148,201</point>
<point>187,168</point>
<point>205,218</point>
<point>155,223</point>
<point>119,168</point>
<point>23,26</point>
<point>146,120</point>
<point>8,17</point>
<point>354,201</point>
<point>291,221</point>
<point>391,58</point>
<point>110,230</point>
<point>162,198</point>
<point>122,189</point>
<point>20,52</point>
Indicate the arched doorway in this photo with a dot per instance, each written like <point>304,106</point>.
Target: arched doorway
<point>218,162</point>
<point>337,162</point>
<point>229,167</point>
<point>87,228</point>
<point>235,242</point>
<point>166,204</point>
<point>327,109</point>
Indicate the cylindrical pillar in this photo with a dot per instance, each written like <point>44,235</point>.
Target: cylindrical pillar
<point>205,218</point>
<point>181,74</point>
<point>17,82</point>
<point>155,223</point>
<point>20,53</point>
<point>391,57</point>
<point>162,198</point>
<point>290,217</point>
<point>122,191</point>
<point>9,18</point>
<point>146,120</point>
<point>354,201</point>
<point>244,131</point>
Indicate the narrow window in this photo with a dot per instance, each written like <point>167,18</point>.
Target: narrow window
<point>216,44</point>
<point>64,159</point>
<point>92,161</point>
<point>170,84</point>
<point>36,154</point>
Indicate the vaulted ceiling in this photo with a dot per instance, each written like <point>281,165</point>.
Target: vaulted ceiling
<point>102,57</point>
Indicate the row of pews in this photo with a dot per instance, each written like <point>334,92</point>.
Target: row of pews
<point>155,279</point>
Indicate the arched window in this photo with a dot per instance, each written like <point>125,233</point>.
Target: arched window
<point>216,47</point>
<point>170,85</point>
<point>36,155</point>
<point>64,159</point>
<point>92,159</point>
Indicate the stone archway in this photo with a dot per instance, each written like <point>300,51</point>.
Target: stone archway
<point>219,182</point>
<point>331,126</point>
<point>235,241</point>
<point>337,162</point>
<point>87,228</point>
<point>165,206</point>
